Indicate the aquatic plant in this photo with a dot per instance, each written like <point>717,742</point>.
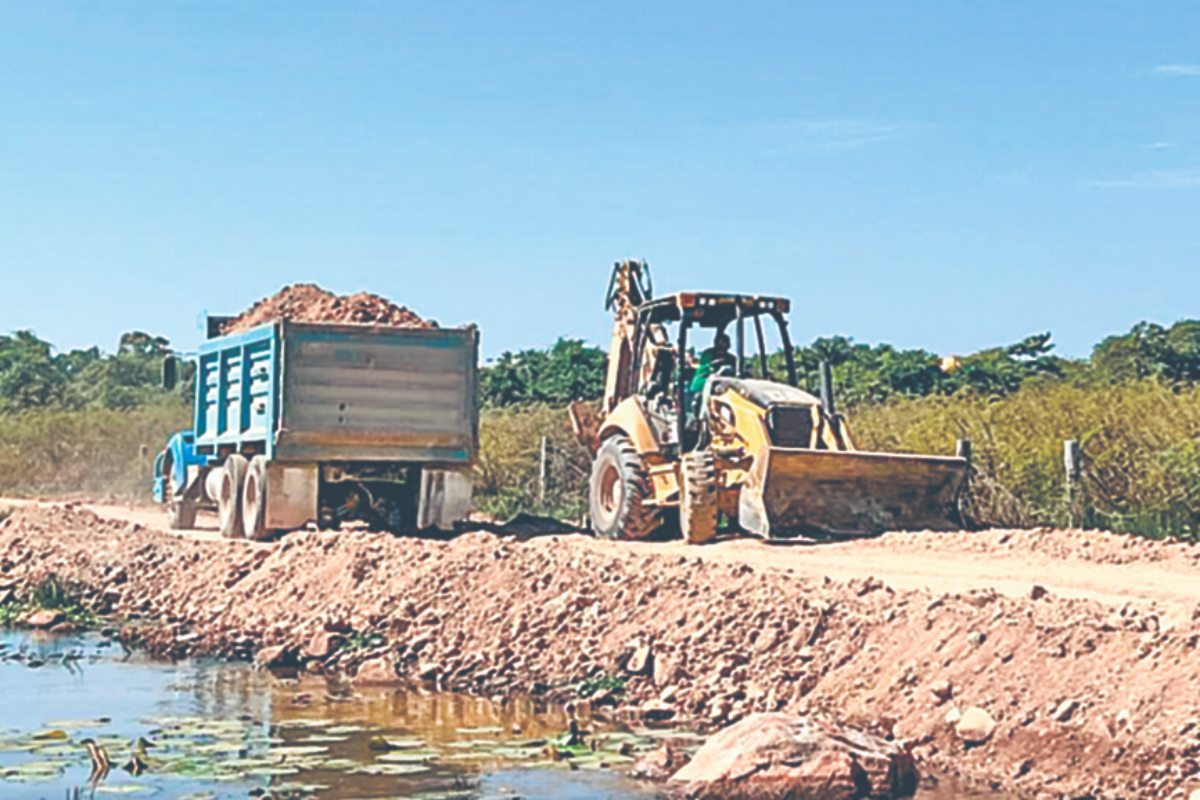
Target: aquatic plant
<point>52,594</point>
<point>598,685</point>
<point>363,640</point>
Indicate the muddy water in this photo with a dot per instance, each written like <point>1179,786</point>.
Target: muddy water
<point>220,730</point>
<point>224,730</point>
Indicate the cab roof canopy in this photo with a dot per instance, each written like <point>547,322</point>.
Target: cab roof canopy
<point>710,309</point>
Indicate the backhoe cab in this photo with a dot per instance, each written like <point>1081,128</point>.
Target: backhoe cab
<point>727,433</point>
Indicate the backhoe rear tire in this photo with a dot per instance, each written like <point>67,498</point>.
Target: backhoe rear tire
<point>229,498</point>
<point>620,492</point>
<point>698,512</point>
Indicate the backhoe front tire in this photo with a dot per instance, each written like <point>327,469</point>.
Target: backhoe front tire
<point>229,498</point>
<point>698,512</point>
<point>620,492</point>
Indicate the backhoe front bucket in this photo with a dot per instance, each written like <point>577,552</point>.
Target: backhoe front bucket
<point>793,492</point>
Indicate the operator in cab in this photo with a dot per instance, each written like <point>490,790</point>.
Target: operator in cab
<point>712,362</point>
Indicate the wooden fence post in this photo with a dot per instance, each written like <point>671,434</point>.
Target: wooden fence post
<point>1073,467</point>
<point>544,470</point>
<point>962,449</point>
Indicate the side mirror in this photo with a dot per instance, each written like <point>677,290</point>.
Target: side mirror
<point>170,373</point>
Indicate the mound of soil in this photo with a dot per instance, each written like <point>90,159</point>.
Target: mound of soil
<point>307,302</point>
<point>1035,695</point>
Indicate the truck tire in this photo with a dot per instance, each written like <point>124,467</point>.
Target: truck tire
<point>254,501</point>
<point>698,510</point>
<point>620,492</point>
<point>229,499</point>
<point>181,514</point>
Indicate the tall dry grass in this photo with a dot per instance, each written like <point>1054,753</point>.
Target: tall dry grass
<point>1140,440</point>
<point>90,451</point>
<point>506,476</point>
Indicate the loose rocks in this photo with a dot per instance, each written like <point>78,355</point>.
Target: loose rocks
<point>975,726</point>
<point>780,755</point>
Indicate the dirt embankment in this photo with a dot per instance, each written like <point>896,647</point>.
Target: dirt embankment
<point>307,302</point>
<point>1064,697</point>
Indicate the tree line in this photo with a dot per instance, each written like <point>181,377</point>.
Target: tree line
<point>34,375</point>
<point>571,370</point>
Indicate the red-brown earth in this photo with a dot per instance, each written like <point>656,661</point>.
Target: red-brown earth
<point>1041,663</point>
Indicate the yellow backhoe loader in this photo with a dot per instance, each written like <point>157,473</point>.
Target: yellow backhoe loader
<point>719,438</point>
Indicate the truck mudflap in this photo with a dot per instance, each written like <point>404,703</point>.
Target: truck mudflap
<point>445,498</point>
<point>796,492</point>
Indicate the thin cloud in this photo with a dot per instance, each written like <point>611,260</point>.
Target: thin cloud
<point>832,135</point>
<point>1159,145</point>
<point>1156,179</point>
<point>1179,70</point>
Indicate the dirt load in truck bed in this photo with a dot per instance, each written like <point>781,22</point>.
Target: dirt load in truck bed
<point>307,302</point>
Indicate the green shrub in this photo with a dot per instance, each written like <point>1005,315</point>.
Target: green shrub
<point>53,594</point>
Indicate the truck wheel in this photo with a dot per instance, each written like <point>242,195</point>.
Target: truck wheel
<point>181,514</point>
<point>620,492</point>
<point>254,500</point>
<point>698,497</point>
<point>229,498</point>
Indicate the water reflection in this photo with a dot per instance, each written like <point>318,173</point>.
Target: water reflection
<point>225,730</point>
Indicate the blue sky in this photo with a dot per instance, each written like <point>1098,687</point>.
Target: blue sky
<point>948,175</point>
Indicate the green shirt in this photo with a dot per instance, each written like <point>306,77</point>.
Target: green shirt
<point>709,361</point>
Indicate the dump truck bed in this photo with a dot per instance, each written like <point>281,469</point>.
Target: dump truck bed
<point>308,392</point>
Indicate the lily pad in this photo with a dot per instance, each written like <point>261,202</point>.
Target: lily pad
<point>127,789</point>
<point>53,735</point>
<point>303,723</point>
<point>58,750</point>
<point>408,756</point>
<point>273,770</point>
<point>33,771</point>
<point>382,743</point>
<point>298,750</point>
<point>217,748</point>
<point>78,724</point>
<point>301,788</point>
<point>391,769</point>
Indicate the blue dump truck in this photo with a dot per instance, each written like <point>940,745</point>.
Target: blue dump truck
<point>296,423</point>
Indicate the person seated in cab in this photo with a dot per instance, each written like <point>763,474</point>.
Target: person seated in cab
<point>716,360</point>
<point>713,361</point>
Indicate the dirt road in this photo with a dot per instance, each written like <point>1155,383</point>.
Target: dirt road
<point>1113,570</point>
<point>1087,682</point>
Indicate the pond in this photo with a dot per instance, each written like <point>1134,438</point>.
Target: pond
<point>220,730</point>
<point>211,729</point>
